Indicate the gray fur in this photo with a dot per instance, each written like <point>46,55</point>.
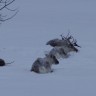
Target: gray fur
<point>65,43</point>
<point>58,52</point>
<point>43,65</point>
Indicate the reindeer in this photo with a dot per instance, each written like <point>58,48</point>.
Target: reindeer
<point>2,62</point>
<point>62,51</point>
<point>43,65</point>
<point>65,43</point>
<point>58,52</point>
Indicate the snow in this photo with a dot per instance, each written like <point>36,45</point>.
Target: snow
<point>23,39</point>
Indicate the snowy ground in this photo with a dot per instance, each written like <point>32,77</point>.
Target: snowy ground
<point>23,39</point>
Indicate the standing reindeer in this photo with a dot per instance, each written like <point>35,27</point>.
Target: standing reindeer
<point>43,65</point>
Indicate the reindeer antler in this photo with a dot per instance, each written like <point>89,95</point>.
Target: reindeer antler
<point>75,42</point>
<point>63,38</point>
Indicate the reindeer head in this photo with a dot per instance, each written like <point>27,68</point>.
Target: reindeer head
<point>68,40</point>
<point>71,47</point>
<point>70,43</point>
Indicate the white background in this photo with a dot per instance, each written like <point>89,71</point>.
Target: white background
<point>23,39</point>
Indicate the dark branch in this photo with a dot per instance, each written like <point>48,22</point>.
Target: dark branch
<point>10,9</point>
<point>2,19</point>
<point>6,4</point>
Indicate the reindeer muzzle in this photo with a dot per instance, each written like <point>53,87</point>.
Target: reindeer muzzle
<point>57,62</point>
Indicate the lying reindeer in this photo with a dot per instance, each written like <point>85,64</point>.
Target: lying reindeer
<point>3,63</point>
<point>58,52</point>
<point>43,65</point>
<point>62,51</point>
<point>61,47</point>
<point>65,41</point>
